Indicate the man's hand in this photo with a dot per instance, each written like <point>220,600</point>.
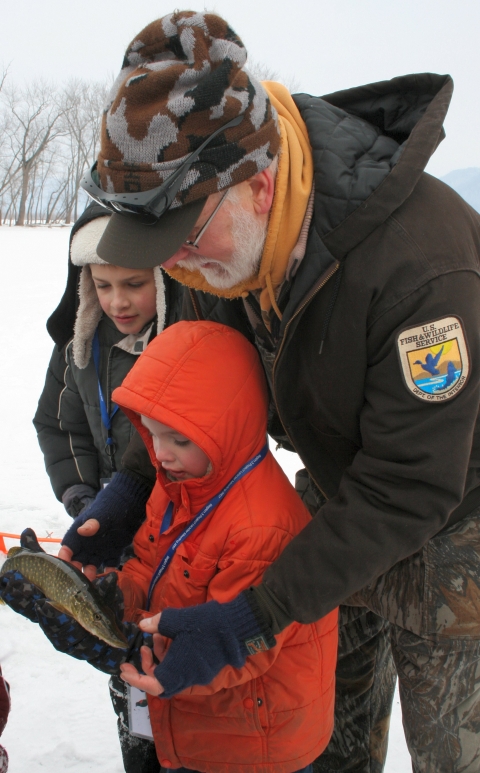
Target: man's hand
<point>205,639</point>
<point>146,681</point>
<point>99,535</point>
<point>88,529</point>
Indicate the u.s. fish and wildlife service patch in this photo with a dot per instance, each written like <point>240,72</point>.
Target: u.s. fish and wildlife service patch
<point>434,359</point>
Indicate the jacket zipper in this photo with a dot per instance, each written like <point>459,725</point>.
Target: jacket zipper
<point>321,284</point>
<point>195,304</point>
<point>109,408</point>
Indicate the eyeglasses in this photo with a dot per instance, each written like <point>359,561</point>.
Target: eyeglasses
<point>155,202</point>
<point>206,224</point>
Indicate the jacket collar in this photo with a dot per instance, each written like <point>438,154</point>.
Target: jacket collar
<point>370,145</point>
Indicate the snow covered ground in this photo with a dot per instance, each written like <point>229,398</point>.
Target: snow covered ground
<point>61,718</point>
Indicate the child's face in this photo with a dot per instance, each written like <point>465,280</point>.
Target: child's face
<point>126,295</point>
<point>180,457</point>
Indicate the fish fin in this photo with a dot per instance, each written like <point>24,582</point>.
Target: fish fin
<point>59,607</point>
<point>28,540</point>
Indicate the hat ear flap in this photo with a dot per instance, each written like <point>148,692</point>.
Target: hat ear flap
<point>161,305</point>
<point>89,314</point>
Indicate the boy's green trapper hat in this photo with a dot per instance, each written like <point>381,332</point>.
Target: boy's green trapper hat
<point>181,80</point>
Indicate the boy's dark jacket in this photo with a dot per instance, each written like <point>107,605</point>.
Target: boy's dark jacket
<point>68,420</point>
<point>389,248</point>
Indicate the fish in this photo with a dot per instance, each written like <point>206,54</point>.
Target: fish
<point>66,588</point>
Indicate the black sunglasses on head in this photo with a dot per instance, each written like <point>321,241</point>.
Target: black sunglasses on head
<point>156,201</point>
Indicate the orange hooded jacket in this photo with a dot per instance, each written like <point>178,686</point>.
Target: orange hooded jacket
<point>276,713</point>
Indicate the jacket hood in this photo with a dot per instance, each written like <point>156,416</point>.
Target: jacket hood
<point>205,380</point>
<point>369,145</point>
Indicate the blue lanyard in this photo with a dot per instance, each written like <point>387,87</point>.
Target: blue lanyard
<point>106,416</point>
<point>204,512</point>
<point>110,446</point>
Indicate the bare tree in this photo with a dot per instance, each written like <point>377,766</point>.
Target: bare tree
<point>83,103</point>
<point>36,124</point>
<point>7,160</point>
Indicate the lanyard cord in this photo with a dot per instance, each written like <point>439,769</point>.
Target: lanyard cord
<point>110,445</point>
<point>197,520</point>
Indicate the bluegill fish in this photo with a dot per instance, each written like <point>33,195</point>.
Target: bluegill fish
<point>67,589</point>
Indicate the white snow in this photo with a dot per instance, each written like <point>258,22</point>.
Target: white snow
<point>61,718</point>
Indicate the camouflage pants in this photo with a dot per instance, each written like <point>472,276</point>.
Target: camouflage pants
<point>421,620</point>
<point>139,755</point>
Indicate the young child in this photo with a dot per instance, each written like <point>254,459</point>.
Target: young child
<point>198,398</point>
<point>81,432</point>
<point>102,324</point>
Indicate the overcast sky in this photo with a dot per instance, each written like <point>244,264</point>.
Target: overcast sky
<point>319,46</point>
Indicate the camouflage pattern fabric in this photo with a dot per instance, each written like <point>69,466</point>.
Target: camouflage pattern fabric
<point>421,619</point>
<point>183,78</point>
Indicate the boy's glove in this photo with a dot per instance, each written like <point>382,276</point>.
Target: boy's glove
<point>15,590</point>
<point>69,637</point>
<point>20,594</point>
<point>120,510</point>
<point>76,498</point>
<point>208,637</point>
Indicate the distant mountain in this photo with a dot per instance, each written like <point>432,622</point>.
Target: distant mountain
<point>467,183</point>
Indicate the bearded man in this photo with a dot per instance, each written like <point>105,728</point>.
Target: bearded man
<point>309,224</point>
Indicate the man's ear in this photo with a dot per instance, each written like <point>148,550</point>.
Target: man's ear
<point>262,188</point>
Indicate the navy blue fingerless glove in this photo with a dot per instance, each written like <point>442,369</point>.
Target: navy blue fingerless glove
<point>208,637</point>
<point>120,510</point>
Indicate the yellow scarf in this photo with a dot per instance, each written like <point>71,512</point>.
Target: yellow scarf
<point>292,190</point>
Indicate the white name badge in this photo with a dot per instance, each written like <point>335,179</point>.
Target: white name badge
<point>138,714</point>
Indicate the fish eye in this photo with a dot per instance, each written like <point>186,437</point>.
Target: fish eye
<point>98,617</point>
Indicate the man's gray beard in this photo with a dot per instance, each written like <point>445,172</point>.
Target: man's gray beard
<point>248,235</point>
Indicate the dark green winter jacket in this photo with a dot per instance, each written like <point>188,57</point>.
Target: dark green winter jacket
<point>68,420</point>
<point>392,258</point>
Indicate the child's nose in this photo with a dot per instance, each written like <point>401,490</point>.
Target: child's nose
<point>120,300</point>
<point>162,453</point>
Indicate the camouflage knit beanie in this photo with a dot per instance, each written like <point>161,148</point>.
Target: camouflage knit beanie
<point>182,79</point>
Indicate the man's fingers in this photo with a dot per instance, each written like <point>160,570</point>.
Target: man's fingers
<point>150,624</point>
<point>65,553</point>
<point>126,669</point>
<point>146,683</point>
<point>90,571</point>
<point>159,646</point>
<point>147,660</point>
<point>89,528</point>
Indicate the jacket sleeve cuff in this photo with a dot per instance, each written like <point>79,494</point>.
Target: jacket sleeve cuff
<point>268,610</point>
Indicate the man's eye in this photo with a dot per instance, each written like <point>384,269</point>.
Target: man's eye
<point>136,284</point>
<point>101,287</point>
<point>182,442</point>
